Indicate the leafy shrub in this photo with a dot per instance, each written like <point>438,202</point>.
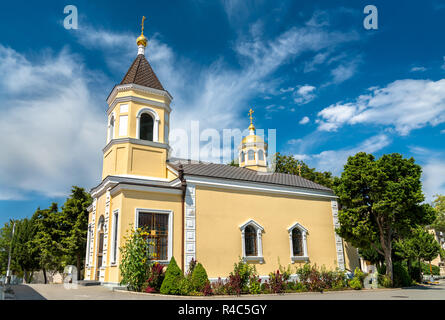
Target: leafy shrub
<point>173,278</point>
<point>199,278</point>
<point>219,287</point>
<point>243,271</point>
<point>401,275</point>
<point>254,285</point>
<point>185,286</point>
<point>207,290</point>
<point>277,283</point>
<point>156,276</point>
<point>426,269</point>
<point>233,285</point>
<point>135,264</point>
<point>355,283</point>
<point>384,281</point>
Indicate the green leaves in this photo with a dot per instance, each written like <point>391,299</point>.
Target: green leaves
<point>136,259</point>
<point>290,165</point>
<point>380,201</point>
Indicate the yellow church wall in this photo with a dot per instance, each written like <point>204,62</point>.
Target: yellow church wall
<point>219,213</point>
<point>130,159</point>
<point>128,201</point>
<point>148,161</point>
<point>112,272</point>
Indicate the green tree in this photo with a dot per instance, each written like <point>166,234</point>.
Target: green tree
<point>74,226</point>
<point>173,279</point>
<point>290,165</point>
<point>23,252</point>
<point>439,206</point>
<point>380,201</point>
<point>48,239</point>
<point>6,241</point>
<point>419,246</point>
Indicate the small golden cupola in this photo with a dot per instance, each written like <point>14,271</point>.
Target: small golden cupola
<point>252,150</point>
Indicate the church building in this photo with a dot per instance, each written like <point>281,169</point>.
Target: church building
<point>213,213</point>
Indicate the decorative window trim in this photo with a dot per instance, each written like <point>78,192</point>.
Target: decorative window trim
<point>170,229</point>
<point>115,234</point>
<point>156,121</point>
<point>110,128</point>
<point>259,230</point>
<point>305,256</point>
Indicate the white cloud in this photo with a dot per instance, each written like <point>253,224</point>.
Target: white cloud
<point>51,129</point>
<point>434,178</point>
<point>404,104</point>
<point>304,94</point>
<point>334,160</point>
<point>304,120</point>
<point>344,71</point>
<point>418,69</point>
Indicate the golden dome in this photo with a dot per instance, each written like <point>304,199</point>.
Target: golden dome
<point>141,40</point>
<point>252,138</point>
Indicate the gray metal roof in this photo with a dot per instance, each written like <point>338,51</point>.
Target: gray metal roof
<point>224,171</point>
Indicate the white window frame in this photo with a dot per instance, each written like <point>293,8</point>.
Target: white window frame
<point>304,232</point>
<point>115,235</point>
<point>260,150</point>
<point>259,231</point>
<point>170,229</point>
<point>253,152</point>
<point>111,127</point>
<point>156,121</point>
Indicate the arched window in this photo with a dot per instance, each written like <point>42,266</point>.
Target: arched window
<point>100,244</point>
<point>250,241</point>
<point>242,157</point>
<point>260,155</point>
<point>146,127</point>
<point>251,233</point>
<point>111,129</point>
<point>250,155</point>
<point>298,243</point>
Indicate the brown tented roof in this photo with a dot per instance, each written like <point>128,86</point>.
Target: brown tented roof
<point>142,74</point>
<point>236,173</point>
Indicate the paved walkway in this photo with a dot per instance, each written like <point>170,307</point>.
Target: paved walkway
<point>58,292</point>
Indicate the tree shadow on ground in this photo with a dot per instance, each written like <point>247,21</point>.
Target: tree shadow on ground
<point>24,292</point>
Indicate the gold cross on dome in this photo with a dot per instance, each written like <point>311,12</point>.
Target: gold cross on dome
<point>250,114</point>
<point>142,24</point>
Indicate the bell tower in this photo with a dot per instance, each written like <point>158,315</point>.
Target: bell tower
<point>138,122</point>
<point>252,150</point>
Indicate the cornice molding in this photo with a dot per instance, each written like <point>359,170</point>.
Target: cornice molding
<point>137,87</point>
<point>143,101</point>
<point>136,141</point>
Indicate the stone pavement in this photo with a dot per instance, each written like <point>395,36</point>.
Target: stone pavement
<point>58,292</point>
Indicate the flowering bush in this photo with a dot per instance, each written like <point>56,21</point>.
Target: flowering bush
<point>242,272</point>
<point>135,264</point>
<point>156,276</point>
<point>277,282</point>
<point>219,287</point>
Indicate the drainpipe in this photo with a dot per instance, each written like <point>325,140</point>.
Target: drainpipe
<point>183,188</point>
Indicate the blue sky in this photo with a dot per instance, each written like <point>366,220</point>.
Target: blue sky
<point>310,69</point>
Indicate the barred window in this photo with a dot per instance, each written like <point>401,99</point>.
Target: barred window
<point>250,239</point>
<point>297,242</point>
<point>156,225</point>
